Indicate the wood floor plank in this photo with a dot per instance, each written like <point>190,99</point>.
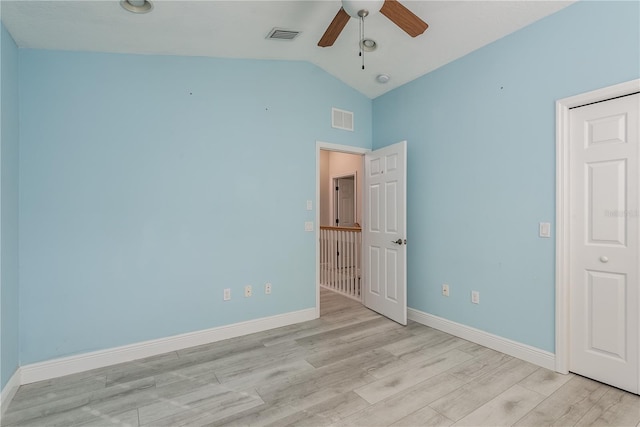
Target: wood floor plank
<point>476,393</point>
<point>545,382</point>
<point>485,362</point>
<point>397,382</point>
<point>203,410</point>
<point>210,398</point>
<point>423,417</point>
<point>567,405</point>
<point>504,409</point>
<point>344,330</point>
<point>325,413</point>
<point>266,374</point>
<point>125,419</point>
<point>344,350</point>
<point>399,406</point>
<point>432,342</point>
<point>434,346</point>
<point>63,412</point>
<point>615,408</point>
<point>343,378</point>
<point>51,391</point>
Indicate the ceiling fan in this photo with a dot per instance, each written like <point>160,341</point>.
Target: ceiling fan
<point>392,9</point>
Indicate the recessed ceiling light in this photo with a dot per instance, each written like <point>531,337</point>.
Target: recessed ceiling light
<point>368,45</point>
<point>137,6</point>
<point>382,78</point>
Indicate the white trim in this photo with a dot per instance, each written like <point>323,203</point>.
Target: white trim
<point>320,145</point>
<point>562,208</point>
<point>98,359</point>
<point>512,348</point>
<point>9,391</point>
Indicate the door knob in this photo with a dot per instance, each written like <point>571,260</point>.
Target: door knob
<point>604,259</point>
<point>397,242</point>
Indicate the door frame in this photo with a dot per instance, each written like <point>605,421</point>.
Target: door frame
<point>563,198</point>
<point>327,146</point>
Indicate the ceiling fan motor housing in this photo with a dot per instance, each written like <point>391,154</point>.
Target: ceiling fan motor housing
<point>353,7</point>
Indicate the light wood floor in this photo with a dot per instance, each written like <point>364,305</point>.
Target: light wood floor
<point>350,367</point>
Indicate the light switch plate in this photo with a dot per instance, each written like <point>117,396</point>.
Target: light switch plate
<point>475,297</point>
<point>544,229</point>
<point>308,226</point>
<point>309,205</point>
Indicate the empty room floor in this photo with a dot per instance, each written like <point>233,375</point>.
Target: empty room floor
<point>351,367</point>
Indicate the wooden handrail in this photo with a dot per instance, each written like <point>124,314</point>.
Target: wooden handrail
<point>328,227</point>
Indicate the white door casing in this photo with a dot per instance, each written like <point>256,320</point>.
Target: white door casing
<point>384,232</point>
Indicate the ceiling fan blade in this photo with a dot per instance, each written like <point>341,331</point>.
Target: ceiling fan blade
<point>403,18</point>
<point>334,29</point>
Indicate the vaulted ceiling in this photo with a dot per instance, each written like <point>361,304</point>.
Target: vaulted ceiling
<point>238,29</point>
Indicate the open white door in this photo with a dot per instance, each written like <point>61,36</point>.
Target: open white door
<point>384,232</point>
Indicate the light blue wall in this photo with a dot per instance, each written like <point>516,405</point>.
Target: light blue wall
<point>481,170</point>
<point>151,183</point>
<point>9,292</point>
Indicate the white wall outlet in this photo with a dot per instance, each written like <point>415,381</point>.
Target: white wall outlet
<point>475,297</point>
<point>309,205</point>
<point>308,226</point>
<point>267,288</point>
<point>227,294</point>
<point>248,291</point>
<point>445,290</point>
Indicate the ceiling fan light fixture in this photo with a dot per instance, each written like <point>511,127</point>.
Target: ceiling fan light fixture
<point>382,78</point>
<point>362,8</point>
<point>368,45</point>
<point>137,6</point>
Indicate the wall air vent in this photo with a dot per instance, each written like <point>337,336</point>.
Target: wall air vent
<point>341,119</point>
<point>282,34</point>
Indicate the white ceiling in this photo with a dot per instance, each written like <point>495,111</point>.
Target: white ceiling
<point>237,29</point>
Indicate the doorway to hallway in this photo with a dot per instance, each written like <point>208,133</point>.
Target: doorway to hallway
<point>340,207</point>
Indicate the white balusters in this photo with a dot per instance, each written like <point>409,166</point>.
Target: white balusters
<point>340,260</point>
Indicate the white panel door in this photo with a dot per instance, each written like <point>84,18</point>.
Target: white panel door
<point>345,202</point>
<point>604,256</point>
<point>384,232</point>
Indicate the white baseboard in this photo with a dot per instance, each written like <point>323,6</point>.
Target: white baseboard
<point>99,359</point>
<point>9,391</point>
<point>512,348</point>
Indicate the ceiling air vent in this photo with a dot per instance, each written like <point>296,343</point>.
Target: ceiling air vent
<point>341,119</point>
<point>282,34</point>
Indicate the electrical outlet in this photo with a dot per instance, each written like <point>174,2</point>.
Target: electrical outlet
<point>227,294</point>
<point>475,297</point>
<point>267,288</point>
<point>445,290</point>
<point>247,291</point>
